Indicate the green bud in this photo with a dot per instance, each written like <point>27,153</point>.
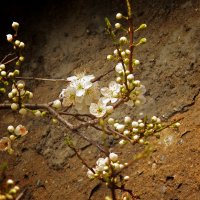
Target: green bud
<point>2,90</point>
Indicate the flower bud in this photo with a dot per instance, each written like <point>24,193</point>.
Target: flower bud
<point>122,142</point>
<point>135,130</point>
<point>115,52</point>
<point>15,26</point>
<point>109,109</point>
<point>111,121</point>
<point>37,113</point>
<point>127,119</point>
<point>126,178</point>
<point>14,106</point>
<point>177,124</point>
<point>143,40</point>
<point>12,137</point>
<point>119,16</point>
<point>123,39</point>
<point>130,77</point>
<point>2,66</point>
<point>9,37</point>
<point>17,42</point>
<point>30,95</point>
<point>135,124</point>
<point>21,58</point>
<point>11,129</point>
<point>21,45</point>
<point>123,53</point>
<point>118,79</point>
<point>127,51</point>
<point>10,182</point>
<point>55,121</point>
<point>109,57</point>
<point>20,86</point>
<point>22,111</point>
<point>136,62</point>
<point>117,25</point>
<point>136,137</point>
<point>126,132</point>
<point>14,91</point>
<point>2,90</point>
<point>142,26</point>
<point>16,72</point>
<point>113,157</point>
<point>120,128</point>
<point>57,104</point>
<point>3,73</point>
<point>10,74</point>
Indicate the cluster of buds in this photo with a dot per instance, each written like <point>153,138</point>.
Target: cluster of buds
<point>7,73</point>
<point>133,89</point>
<point>137,130</point>
<point>17,44</point>
<point>106,168</point>
<point>10,192</point>
<point>19,95</point>
<point>15,132</point>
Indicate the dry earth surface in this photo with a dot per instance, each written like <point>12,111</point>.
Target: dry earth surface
<point>63,36</point>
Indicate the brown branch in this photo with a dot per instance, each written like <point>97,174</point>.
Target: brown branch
<point>42,79</point>
<point>80,158</point>
<point>5,57</point>
<point>98,78</point>
<point>9,61</point>
<point>73,128</point>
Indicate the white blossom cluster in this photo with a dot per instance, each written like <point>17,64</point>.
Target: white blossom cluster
<point>106,167</point>
<point>18,131</point>
<point>86,95</point>
<point>81,92</point>
<point>136,130</point>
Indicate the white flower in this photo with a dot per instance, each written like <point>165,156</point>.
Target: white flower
<point>92,94</point>
<point>99,109</point>
<point>68,96</point>
<point>81,84</point>
<point>9,37</point>
<point>110,94</point>
<point>119,68</point>
<point>5,144</point>
<point>101,163</point>
<point>21,130</point>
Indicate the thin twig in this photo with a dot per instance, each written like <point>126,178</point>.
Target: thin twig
<point>9,61</point>
<point>43,79</point>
